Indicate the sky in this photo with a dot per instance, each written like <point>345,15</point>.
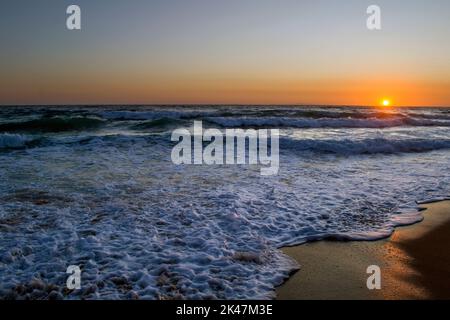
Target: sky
<point>225,52</point>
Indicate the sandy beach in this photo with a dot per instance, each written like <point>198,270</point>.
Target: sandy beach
<point>414,262</point>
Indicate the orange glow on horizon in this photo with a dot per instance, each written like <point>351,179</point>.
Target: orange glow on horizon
<point>115,87</point>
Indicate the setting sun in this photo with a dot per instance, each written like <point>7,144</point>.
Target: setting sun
<point>386,103</point>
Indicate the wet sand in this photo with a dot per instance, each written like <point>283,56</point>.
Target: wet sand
<point>414,262</point>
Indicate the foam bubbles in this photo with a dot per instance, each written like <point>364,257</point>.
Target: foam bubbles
<point>141,227</point>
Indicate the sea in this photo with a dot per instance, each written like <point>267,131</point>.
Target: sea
<point>95,187</point>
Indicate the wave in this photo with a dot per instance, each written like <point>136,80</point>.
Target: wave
<point>365,146</point>
<point>343,147</point>
<point>188,113</point>
<point>294,117</point>
<point>124,115</point>
<point>324,122</point>
<point>431,116</point>
<point>157,123</point>
<point>14,141</point>
<point>136,115</point>
<point>55,124</point>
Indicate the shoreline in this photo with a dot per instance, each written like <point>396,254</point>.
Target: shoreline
<point>414,263</point>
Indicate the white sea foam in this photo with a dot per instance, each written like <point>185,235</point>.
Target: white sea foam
<point>140,226</point>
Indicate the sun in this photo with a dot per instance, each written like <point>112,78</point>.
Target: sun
<point>385,103</point>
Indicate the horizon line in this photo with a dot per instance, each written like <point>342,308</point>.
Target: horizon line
<point>210,104</point>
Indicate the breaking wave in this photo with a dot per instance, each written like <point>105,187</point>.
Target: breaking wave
<point>365,146</point>
<point>324,122</point>
<point>15,141</point>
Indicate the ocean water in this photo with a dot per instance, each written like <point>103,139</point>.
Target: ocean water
<point>95,187</point>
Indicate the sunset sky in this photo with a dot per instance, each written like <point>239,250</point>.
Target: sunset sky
<point>225,52</point>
